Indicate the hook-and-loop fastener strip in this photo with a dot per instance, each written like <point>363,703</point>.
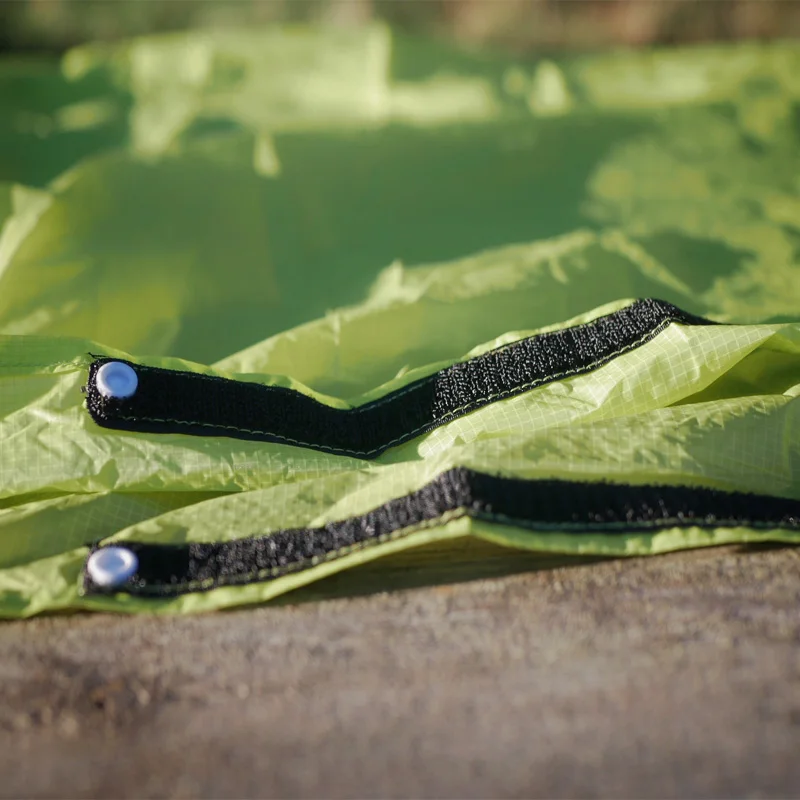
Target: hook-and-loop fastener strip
<point>546,506</point>
<point>173,401</point>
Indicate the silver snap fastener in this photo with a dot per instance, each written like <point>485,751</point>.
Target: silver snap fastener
<point>116,380</point>
<point>111,566</point>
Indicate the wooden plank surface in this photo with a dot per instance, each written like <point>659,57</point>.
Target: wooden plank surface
<point>669,676</point>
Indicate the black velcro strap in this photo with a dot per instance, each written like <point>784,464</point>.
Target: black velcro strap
<point>170,401</point>
<point>545,505</point>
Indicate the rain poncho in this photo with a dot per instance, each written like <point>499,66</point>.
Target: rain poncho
<point>277,304</point>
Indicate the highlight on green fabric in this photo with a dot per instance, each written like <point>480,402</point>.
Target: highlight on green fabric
<point>362,236</point>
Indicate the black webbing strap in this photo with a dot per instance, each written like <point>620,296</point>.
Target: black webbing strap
<point>170,401</point>
<point>545,505</point>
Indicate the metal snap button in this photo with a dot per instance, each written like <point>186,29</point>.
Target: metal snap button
<point>116,380</point>
<point>111,566</point>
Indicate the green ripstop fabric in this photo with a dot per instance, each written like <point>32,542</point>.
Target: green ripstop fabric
<point>346,216</point>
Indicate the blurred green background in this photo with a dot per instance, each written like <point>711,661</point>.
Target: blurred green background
<point>137,174</point>
<point>510,25</point>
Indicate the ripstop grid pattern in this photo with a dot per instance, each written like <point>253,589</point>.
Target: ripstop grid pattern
<point>663,371</point>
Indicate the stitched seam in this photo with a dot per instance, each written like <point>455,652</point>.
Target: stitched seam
<point>448,417</point>
<point>633,525</point>
<point>279,572</point>
<point>217,378</point>
<point>458,513</point>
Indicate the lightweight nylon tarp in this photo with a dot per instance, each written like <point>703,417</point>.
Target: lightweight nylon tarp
<point>347,215</point>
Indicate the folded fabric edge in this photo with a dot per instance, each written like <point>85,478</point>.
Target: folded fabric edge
<point>551,508</point>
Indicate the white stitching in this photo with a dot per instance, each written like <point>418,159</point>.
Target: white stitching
<point>443,519</point>
<point>443,420</point>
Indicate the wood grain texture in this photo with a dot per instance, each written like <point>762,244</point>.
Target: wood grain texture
<point>670,676</point>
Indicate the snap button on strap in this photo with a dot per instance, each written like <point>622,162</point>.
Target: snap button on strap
<point>110,567</point>
<point>116,380</point>
<point>146,399</point>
